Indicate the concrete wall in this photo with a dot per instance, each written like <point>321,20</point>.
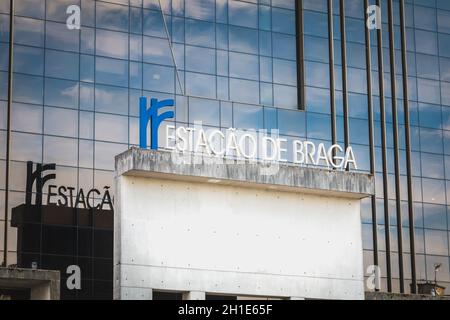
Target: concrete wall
<point>205,235</point>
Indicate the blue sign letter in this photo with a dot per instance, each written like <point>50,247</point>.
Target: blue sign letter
<point>151,115</point>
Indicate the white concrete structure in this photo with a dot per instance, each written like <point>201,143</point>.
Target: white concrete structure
<point>177,233</point>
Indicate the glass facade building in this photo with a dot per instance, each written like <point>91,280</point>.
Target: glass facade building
<point>254,64</point>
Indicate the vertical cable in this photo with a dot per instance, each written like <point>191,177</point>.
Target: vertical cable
<point>331,64</point>
<point>371,135</point>
<point>408,148</point>
<point>300,55</point>
<point>396,149</point>
<point>8,127</point>
<point>384,156</point>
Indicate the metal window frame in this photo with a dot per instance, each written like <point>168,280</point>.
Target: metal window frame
<point>384,154</point>
<point>300,44</point>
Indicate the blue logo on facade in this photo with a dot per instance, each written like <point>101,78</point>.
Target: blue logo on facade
<point>151,115</point>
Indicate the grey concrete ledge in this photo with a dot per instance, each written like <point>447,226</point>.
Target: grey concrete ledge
<point>402,296</point>
<point>285,177</point>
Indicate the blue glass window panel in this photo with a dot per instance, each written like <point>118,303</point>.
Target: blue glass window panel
<point>357,80</point>
<point>355,30</point>
<point>222,88</point>
<point>26,147</point>
<point>87,44</point>
<point>284,46</point>
<point>443,20</point>
<point>60,64</point>
<point>427,66</point>
<point>136,15</point>
<point>178,51</point>
<point>283,21</point>
<point>270,119</point>
<point>87,68</point>
<point>159,78</point>
<point>112,44</point>
<point>430,116</point>
<point>433,191</point>
<point>428,91</point>
<point>265,69</point>
<point>226,114</point>
<point>28,60</point>
<point>61,122</point>
<point>178,29</point>
<point>87,96</point>
<point>26,117</point>
<point>111,71</point>
<point>359,131</point>
<point>205,111</point>
<point>265,43</point>
<point>201,85</point>
<point>432,165</point>
<point>316,49</point>
<point>135,75</point>
<point>362,156</point>
<point>63,151</point>
<point>444,64</point>
<point>105,153</point>
<point>265,21</point>
<point>291,122</point>
<point>243,39</point>
<point>155,5</point>
<point>157,51</point>
<point>30,8</point>
<point>222,36</point>
<point>27,89</point>
<point>135,47</point>
<point>200,60</point>
<point>316,5</point>
<point>111,99</point>
<point>242,14</point>
<point>285,96</point>
<point>154,24</point>
<point>222,11</point>
<point>200,33</point>
<point>317,74</point>
<point>105,122</point>
<point>27,31</point>
<point>59,37</point>
<point>431,140</point>
<point>356,55</point>
<point>446,142</point>
<point>248,116</point>
<point>317,100</point>
<point>426,42</point>
<point>245,66</point>
<point>266,94</point>
<point>222,63</point>
<point>436,243</point>
<point>285,72</point>
<point>357,106</point>
<point>354,9</point>
<point>425,18</point>
<point>4,28</point>
<point>244,91</point>
<point>287,4</point>
<point>315,23</point>
<point>112,16</point>
<point>56,10</point>
<point>200,9</point>
<point>443,4</point>
<point>61,93</point>
<point>318,126</point>
<point>86,125</point>
<point>444,45</point>
<point>88,9</point>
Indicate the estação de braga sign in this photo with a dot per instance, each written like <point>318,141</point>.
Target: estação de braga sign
<point>250,145</point>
